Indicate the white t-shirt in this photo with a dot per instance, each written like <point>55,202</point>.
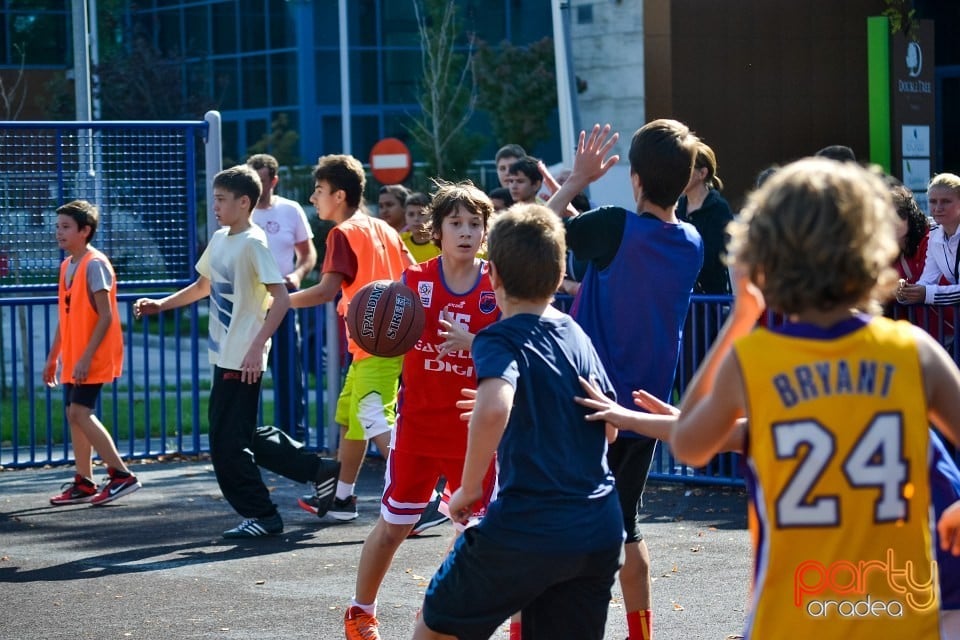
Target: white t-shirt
<point>239,267</point>
<point>286,225</point>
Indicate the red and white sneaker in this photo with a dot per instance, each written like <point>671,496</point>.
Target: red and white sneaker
<point>80,490</point>
<point>116,487</point>
<point>360,625</point>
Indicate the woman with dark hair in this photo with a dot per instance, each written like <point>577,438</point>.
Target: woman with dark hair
<point>912,233</point>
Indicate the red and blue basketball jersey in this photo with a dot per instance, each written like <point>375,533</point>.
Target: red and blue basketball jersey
<point>429,422</point>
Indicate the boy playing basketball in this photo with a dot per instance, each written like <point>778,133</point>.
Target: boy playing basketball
<point>430,439</point>
<point>360,249</point>
<point>838,404</point>
<point>549,545</point>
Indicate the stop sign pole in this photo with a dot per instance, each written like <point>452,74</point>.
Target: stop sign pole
<point>390,161</point>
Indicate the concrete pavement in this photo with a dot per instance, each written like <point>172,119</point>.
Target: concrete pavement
<point>153,565</point>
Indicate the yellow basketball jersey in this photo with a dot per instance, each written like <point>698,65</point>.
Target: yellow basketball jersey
<point>837,450</point>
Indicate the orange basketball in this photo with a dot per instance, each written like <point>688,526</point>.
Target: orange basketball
<point>385,318</point>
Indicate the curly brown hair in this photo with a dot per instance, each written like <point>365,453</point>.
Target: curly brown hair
<point>818,235</point>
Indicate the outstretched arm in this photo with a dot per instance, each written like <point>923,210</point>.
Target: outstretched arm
<point>320,293</point>
<point>589,165</point>
<point>197,290</point>
<point>948,529</point>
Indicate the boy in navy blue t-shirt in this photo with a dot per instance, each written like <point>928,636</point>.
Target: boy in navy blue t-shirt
<point>549,545</point>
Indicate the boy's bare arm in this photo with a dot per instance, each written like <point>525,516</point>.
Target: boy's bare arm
<point>197,290</point>
<point>487,424</point>
<point>252,365</point>
<point>589,165</point>
<point>320,293</point>
<point>53,359</point>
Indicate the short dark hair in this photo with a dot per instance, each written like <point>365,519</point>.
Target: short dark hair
<point>343,173</point>
<point>240,180</point>
<point>502,193</point>
<point>527,165</point>
<point>527,247</point>
<point>917,223</point>
<point>662,154</point>
<point>264,161</point>
<point>84,214</point>
<point>509,151</point>
<point>417,198</point>
<point>398,191</point>
<point>838,152</point>
<point>449,196</point>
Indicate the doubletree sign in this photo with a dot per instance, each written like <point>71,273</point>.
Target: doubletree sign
<point>913,115</point>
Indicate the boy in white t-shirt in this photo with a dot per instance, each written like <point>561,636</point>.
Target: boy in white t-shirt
<point>240,276</point>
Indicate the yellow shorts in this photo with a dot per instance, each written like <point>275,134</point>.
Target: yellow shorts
<point>368,402</point>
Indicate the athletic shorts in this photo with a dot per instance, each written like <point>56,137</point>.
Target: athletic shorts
<point>630,460</point>
<point>82,394</point>
<point>410,480</point>
<point>563,596</point>
<point>368,401</point>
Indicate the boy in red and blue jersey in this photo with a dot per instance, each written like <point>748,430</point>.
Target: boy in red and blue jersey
<point>430,439</point>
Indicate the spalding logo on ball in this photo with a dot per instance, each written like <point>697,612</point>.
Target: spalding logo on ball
<point>385,318</point>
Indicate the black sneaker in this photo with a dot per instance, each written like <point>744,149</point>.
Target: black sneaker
<point>345,509</point>
<point>431,517</point>
<point>324,489</point>
<point>256,527</point>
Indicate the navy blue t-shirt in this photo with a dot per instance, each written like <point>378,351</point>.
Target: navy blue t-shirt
<point>556,491</point>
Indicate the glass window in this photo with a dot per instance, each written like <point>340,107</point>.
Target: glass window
<point>487,19</point>
<point>198,79</point>
<point>197,26</point>
<point>44,37</point>
<point>362,22</point>
<point>253,26</point>
<point>226,83</point>
<point>283,80</point>
<point>254,81</point>
<point>256,130</point>
<point>36,4</point>
<point>229,129</point>
<point>328,77</point>
<point>282,25</point>
<point>364,73</point>
<point>401,71</point>
<point>332,134</point>
<point>365,131</point>
<point>530,21</point>
<point>326,26</point>
<point>399,25</point>
<point>224,28</point>
<point>168,32</point>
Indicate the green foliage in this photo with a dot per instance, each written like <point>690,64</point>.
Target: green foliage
<point>280,142</point>
<point>448,94</point>
<point>902,17</point>
<point>518,88</point>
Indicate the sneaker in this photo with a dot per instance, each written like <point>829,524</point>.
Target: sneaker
<point>431,517</point>
<point>360,625</point>
<point>256,527</point>
<point>345,509</point>
<point>324,489</point>
<point>117,486</point>
<point>80,490</point>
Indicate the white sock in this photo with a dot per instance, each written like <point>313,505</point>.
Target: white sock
<point>369,609</point>
<point>344,490</point>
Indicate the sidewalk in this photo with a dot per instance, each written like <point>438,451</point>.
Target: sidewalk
<point>153,565</point>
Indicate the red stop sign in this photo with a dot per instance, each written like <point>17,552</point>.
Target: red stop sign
<point>390,161</point>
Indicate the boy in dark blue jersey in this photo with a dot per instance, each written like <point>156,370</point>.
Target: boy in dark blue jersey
<point>633,302</point>
<point>549,545</point>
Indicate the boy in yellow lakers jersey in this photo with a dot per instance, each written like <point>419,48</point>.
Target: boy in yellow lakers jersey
<point>838,404</point>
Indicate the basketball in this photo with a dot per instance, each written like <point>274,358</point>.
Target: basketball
<point>385,318</point>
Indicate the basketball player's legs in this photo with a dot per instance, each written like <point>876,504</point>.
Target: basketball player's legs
<point>367,406</point>
<point>93,434</point>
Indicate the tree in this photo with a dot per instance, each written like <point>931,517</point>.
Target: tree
<point>280,142</point>
<point>518,88</point>
<point>448,93</point>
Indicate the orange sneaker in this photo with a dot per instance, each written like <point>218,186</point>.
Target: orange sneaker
<point>360,625</point>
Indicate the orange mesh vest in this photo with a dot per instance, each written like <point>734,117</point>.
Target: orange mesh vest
<point>78,317</point>
<point>381,255</point>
